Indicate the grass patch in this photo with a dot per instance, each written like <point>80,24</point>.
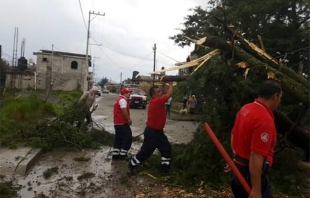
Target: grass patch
<point>26,121</point>
<point>49,172</point>
<point>8,190</point>
<point>67,96</point>
<point>17,114</point>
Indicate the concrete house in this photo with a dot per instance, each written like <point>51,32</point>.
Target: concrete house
<point>65,70</point>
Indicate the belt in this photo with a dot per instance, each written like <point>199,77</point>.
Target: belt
<point>154,129</point>
<point>245,163</point>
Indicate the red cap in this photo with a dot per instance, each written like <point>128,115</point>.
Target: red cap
<point>125,90</point>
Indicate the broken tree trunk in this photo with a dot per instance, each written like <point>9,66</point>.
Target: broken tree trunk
<point>290,83</point>
<point>295,134</point>
<point>257,60</point>
<point>164,79</point>
<point>258,53</point>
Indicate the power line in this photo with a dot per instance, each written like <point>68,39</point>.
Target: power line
<point>167,56</point>
<point>82,14</point>
<point>141,60</point>
<point>112,60</point>
<point>120,52</point>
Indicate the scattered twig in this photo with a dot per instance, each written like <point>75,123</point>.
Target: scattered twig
<point>65,140</point>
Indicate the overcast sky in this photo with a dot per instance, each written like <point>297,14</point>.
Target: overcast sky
<point>126,33</point>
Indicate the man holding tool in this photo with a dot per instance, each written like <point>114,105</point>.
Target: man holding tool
<point>253,139</point>
<point>154,136</point>
<point>87,102</point>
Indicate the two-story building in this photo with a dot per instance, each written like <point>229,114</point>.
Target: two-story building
<point>65,71</point>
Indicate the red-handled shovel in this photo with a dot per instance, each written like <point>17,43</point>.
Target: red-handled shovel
<point>227,158</point>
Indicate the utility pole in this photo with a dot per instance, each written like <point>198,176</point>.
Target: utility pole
<point>51,74</point>
<point>121,79</point>
<point>85,70</point>
<point>1,66</point>
<point>14,60</point>
<point>94,68</point>
<point>154,48</point>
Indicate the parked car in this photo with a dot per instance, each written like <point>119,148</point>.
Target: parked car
<point>105,91</point>
<point>99,93</point>
<point>137,98</point>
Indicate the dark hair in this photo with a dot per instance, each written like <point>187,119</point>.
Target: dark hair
<point>152,91</point>
<point>268,88</point>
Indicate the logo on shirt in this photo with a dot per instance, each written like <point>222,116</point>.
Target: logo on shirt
<point>264,136</point>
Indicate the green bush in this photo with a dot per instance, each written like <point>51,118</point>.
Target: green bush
<point>31,121</point>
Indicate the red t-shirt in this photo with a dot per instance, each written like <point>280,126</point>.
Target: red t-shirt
<point>156,115</point>
<point>254,130</point>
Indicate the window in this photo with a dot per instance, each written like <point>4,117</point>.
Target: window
<point>44,59</point>
<point>74,65</point>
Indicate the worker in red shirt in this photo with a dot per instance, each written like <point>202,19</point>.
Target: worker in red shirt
<point>122,122</point>
<point>154,136</point>
<point>253,140</point>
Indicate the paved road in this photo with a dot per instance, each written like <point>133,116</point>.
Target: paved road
<point>176,131</point>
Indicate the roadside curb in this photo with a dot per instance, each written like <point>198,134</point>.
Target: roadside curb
<point>28,161</point>
<point>18,161</point>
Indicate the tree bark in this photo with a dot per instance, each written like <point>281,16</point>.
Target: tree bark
<point>258,53</point>
<point>289,85</point>
<point>164,79</point>
<point>292,83</point>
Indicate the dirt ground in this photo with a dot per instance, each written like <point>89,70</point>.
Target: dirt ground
<point>100,176</point>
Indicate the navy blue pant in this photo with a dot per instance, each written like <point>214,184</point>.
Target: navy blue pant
<point>122,140</point>
<point>239,191</point>
<point>153,139</point>
<point>168,109</point>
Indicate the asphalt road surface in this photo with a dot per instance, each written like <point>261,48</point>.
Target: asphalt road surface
<point>176,131</point>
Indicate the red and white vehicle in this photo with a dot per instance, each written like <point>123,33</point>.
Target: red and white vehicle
<point>137,98</point>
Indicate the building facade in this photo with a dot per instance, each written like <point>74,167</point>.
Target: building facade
<point>63,70</point>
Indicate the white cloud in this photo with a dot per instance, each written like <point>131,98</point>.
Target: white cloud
<point>127,32</point>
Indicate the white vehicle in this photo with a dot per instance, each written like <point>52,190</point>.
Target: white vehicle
<point>137,98</point>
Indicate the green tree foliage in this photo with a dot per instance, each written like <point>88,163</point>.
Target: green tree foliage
<point>3,68</point>
<point>284,26</point>
<point>127,81</point>
<point>103,82</point>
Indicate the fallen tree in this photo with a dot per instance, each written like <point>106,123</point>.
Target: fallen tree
<point>249,56</point>
<point>229,79</point>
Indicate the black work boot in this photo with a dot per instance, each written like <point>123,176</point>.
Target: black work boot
<point>131,169</point>
<point>124,157</point>
<point>116,157</point>
<point>165,168</point>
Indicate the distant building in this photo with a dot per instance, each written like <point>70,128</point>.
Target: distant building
<point>144,80</point>
<point>16,78</point>
<point>65,70</point>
